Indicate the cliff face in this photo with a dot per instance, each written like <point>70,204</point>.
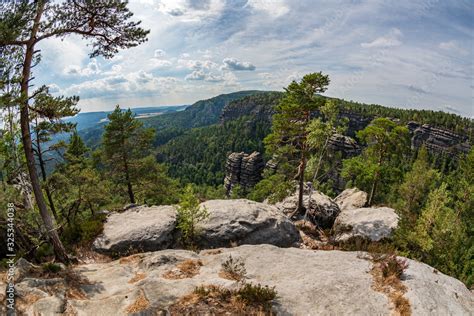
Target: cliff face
<point>437,140</point>
<point>259,106</point>
<point>244,170</point>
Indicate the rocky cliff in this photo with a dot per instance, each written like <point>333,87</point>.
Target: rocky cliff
<point>438,140</point>
<point>259,106</point>
<point>244,170</point>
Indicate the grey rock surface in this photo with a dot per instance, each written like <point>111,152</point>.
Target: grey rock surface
<point>322,210</point>
<point>351,199</point>
<point>374,223</point>
<point>245,222</point>
<point>307,282</point>
<point>139,228</point>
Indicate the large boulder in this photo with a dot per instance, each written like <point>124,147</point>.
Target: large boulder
<point>139,228</point>
<point>307,283</point>
<point>245,222</point>
<point>351,199</point>
<point>373,223</point>
<point>322,210</point>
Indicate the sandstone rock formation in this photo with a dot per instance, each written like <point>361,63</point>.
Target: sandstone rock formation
<point>138,228</point>
<point>307,283</point>
<point>230,221</point>
<point>344,144</point>
<point>245,222</point>
<point>322,211</point>
<point>260,107</point>
<point>351,199</point>
<point>244,170</point>
<point>438,140</point>
<point>373,223</point>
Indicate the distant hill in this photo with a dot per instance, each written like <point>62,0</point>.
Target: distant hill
<point>174,123</point>
<point>195,142</point>
<point>92,119</point>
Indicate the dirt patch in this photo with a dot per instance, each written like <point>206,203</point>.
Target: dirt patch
<point>29,299</point>
<point>186,269</point>
<point>131,259</point>
<point>217,300</point>
<point>211,252</point>
<point>86,255</point>
<point>138,277</point>
<point>75,293</point>
<point>386,274</point>
<point>140,304</point>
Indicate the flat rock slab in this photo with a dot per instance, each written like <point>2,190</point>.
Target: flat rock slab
<point>245,222</point>
<point>139,228</point>
<point>308,283</point>
<point>374,223</point>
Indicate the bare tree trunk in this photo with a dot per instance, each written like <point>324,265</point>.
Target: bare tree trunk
<point>49,224</point>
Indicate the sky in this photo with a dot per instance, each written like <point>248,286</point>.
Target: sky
<point>408,54</point>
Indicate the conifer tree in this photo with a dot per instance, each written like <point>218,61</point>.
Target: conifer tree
<point>47,113</point>
<point>24,24</point>
<point>288,140</point>
<point>125,143</point>
<point>387,146</point>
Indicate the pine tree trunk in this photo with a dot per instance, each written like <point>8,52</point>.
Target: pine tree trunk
<point>43,175</point>
<point>301,207</point>
<point>49,224</point>
<point>129,183</point>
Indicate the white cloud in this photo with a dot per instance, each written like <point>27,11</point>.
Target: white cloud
<point>160,63</point>
<point>132,84</point>
<point>274,8</point>
<point>235,64</point>
<point>92,68</point>
<point>159,53</point>
<point>190,10</point>
<point>453,46</point>
<point>389,40</point>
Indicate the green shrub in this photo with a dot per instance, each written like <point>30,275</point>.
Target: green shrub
<point>90,229</point>
<point>44,251</point>
<point>257,294</point>
<point>50,267</point>
<point>189,215</point>
<point>393,266</point>
<point>234,268</point>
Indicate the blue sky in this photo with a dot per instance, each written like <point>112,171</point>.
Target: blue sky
<point>411,54</point>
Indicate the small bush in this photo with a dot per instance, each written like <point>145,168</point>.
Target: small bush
<point>90,229</point>
<point>50,267</point>
<point>257,294</point>
<point>393,266</point>
<point>43,252</point>
<point>248,299</point>
<point>189,215</point>
<point>234,269</point>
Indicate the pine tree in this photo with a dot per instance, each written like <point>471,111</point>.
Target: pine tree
<point>288,140</point>
<point>24,24</point>
<point>125,143</point>
<point>387,147</point>
<point>439,233</point>
<point>417,184</point>
<point>47,114</point>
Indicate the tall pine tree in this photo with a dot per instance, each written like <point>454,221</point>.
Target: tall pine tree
<point>125,143</point>
<point>24,24</point>
<point>288,140</point>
